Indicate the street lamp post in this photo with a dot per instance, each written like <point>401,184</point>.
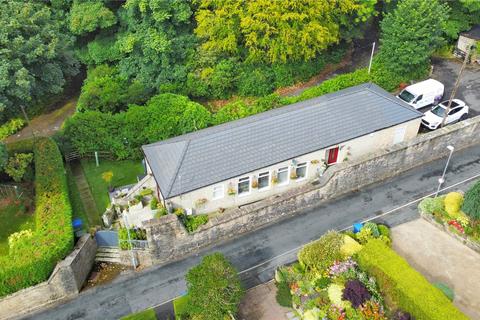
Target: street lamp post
<point>442,179</point>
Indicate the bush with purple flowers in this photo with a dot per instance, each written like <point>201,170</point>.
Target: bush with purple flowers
<point>340,267</point>
<point>356,293</point>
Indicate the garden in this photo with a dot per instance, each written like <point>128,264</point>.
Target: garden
<point>457,213</point>
<point>358,276</point>
<point>33,253</point>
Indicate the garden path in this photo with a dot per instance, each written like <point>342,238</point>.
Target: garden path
<point>441,258</point>
<point>85,193</point>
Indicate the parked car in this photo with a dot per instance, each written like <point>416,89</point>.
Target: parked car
<point>423,93</point>
<point>433,118</point>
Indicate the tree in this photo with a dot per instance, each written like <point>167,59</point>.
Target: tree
<point>471,202</point>
<point>463,15</point>
<point>277,31</point>
<point>3,156</point>
<point>410,34</point>
<point>106,90</point>
<point>90,15</point>
<point>214,289</point>
<point>17,165</point>
<point>36,56</point>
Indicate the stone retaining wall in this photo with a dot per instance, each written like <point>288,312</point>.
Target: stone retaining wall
<point>168,239</point>
<point>65,281</point>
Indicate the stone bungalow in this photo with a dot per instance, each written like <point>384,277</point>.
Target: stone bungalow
<point>246,160</point>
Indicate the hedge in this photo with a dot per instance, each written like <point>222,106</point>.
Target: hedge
<point>33,259</point>
<point>11,127</point>
<point>404,287</point>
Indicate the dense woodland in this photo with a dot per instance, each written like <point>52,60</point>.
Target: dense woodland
<point>143,58</point>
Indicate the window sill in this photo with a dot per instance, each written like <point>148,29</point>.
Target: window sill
<point>264,189</point>
<point>244,194</point>
<point>300,179</point>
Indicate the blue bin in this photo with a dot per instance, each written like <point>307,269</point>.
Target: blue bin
<point>357,227</point>
<point>77,224</point>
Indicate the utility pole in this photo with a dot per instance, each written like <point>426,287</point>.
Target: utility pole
<point>457,83</point>
<point>371,58</point>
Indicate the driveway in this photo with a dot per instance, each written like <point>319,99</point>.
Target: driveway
<point>446,71</point>
<point>259,253</point>
<point>441,258</point>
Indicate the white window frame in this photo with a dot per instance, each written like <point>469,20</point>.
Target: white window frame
<point>249,179</point>
<point>222,188</point>
<point>288,176</point>
<point>262,174</point>
<point>306,171</point>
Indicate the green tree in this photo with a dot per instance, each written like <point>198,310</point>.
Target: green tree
<point>471,202</point>
<point>36,56</point>
<point>17,165</point>
<point>3,156</point>
<point>277,31</point>
<point>410,34</point>
<point>463,15</point>
<point>90,15</point>
<point>106,90</point>
<point>214,289</point>
<point>155,40</point>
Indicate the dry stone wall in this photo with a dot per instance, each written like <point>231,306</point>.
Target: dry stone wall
<point>168,239</point>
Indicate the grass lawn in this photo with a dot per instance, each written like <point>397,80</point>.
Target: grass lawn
<point>148,314</point>
<point>179,306</point>
<point>77,206</point>
<point>124,172</point>
<point>14,217</point>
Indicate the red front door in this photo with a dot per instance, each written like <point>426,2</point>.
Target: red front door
<point>332,155</point>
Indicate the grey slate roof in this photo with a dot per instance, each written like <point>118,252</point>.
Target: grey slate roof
<point>218,153</point>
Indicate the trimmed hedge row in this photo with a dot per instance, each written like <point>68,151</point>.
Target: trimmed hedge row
<point>32,259</point>
<point>407,288</point>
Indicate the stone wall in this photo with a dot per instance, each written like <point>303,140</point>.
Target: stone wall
<point>168,239</point>
<point>65,281</point>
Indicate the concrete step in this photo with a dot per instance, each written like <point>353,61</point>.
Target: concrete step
<point>108,254</point>
<point>109,260</point>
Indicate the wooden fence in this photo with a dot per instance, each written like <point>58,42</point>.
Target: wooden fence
<point>9,191</point>
<point>75,155</point>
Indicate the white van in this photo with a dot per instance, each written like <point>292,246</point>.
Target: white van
<point>423,93</point>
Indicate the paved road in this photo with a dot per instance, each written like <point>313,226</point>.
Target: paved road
<point>159,284</point>
<point>446,71</point>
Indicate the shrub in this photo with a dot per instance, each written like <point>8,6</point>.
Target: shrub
<point>135,234</point>
<point>255,81</point>
<point>402,315</point>
<point>18,165</point>
<point>364,235</point>
<point>350,246</point>
<point>406,288</point>
<point>36,256</point>
<point>384,231</point>
<point>356,293</point>
<point>283,295</point>
<point>323,282</point>
<point>471,203</point>
<point>11,127</point>
<point>214,288</point>
<point>373,227</point>
<point>335,293</point>
<point>321,254</point>
<point>453,203</point>
<point>432,205</point>
<point>193,222</point>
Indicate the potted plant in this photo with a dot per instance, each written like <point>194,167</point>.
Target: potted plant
<point>293,174</point>
<point>254,182</point>
<point>274,177</point>
<point>200,202</point>
<point>231,190</point>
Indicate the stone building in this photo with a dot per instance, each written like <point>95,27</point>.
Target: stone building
<point>246,160</point>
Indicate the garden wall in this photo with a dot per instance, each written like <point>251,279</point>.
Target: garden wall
<point>66,280</point>
<point>168,239</point>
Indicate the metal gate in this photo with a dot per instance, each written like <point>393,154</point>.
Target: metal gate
<point>107,238</point>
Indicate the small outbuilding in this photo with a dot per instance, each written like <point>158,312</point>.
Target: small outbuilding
<point>246,160</point>
<point>466,40</point>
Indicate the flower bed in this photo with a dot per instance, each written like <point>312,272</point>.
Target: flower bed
<point>336,277</point>
<point>446,212</point>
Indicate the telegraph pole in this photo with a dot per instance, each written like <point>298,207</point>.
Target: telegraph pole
<point>457,83</point>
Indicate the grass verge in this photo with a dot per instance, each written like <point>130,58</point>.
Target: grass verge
<point>148,314</point>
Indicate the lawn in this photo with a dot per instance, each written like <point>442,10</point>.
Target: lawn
<point>180,306</point>
<point>15,217</point>
<point>148,314</point>
<point>124,172</point>
<point>78,211</point>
